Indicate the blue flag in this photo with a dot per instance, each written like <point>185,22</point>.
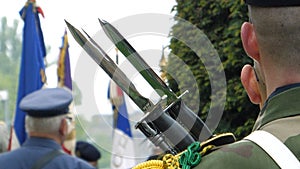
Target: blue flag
<point>32,74</point>
<point>123,153</point>
<point>64,69</point>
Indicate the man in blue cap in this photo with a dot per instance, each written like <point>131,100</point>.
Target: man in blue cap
<point>87,152</point>
<point>47,127</point>
<point>271,38</point>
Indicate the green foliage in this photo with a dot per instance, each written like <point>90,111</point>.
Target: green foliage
<point>220,21</point>
<point>10,53</point>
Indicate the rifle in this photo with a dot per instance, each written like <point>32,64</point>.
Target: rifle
<point>169,127</point>
<point>178,110</point>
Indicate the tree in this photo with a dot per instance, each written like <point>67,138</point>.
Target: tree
<point>220,22</point>
<point>10,54</point>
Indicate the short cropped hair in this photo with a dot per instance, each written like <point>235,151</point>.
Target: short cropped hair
<point>278,34</point>
<point>44,125</point>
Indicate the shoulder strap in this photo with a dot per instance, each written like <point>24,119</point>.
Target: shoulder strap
<point>284,158</point>
<point>41,162</point>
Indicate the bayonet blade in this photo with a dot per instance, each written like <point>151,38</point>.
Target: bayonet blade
<point>187,117</point>
<point>162,121</point>
<point>111,69</point>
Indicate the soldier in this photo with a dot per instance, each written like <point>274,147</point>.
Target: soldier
<point>87,152</point>
<point>271,38</point>
<point>47,126</point>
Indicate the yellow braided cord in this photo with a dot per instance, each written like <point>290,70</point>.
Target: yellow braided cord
<point>151,164</point>
<point>169,161</point>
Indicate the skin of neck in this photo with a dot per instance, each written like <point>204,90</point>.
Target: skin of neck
<point>277,76</point>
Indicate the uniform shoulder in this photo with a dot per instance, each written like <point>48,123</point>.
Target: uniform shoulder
<point>241,154</point>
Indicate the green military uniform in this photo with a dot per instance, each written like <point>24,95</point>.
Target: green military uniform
<point>280,116</point>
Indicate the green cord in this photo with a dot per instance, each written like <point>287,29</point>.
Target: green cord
<point>191,157</point>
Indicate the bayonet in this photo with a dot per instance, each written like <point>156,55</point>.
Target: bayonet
<point>112,70</point>
<point>167,126</point>
<point>178,110</point>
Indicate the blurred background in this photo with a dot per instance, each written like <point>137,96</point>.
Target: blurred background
<point>219,20</point>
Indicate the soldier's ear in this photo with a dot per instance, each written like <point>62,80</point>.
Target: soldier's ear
<point>63,129</point>
<point>250,84</point>
<point>249,40</point>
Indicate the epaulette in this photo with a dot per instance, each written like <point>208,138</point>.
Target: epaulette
<point>191,157</point>
<point>218,140</point>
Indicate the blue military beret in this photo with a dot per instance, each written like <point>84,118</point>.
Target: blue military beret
<point>47,102</point>
<point>87,151</point>
<point>273,3</point>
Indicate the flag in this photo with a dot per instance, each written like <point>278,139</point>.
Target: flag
<point>64,69</point>
<point>32,68</point>
<point>123,145</point>
<point>65,80</point>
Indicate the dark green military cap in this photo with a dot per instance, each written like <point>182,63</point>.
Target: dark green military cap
<point>47,102</point>
<point>273,3</point>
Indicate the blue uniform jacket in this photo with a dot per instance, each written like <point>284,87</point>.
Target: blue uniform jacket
<point>33,149</point>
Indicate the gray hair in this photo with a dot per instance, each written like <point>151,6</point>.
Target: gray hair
<point>48,125</point>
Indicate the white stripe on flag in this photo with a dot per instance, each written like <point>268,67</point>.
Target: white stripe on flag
<point>123,155</point>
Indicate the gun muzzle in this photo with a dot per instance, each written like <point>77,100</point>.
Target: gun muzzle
<point>191,121</point>
<point>155,136</point>
<point>176,135</point>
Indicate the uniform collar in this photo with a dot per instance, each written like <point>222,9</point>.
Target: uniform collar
<point>283,102</point>
<point>41,142</point>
